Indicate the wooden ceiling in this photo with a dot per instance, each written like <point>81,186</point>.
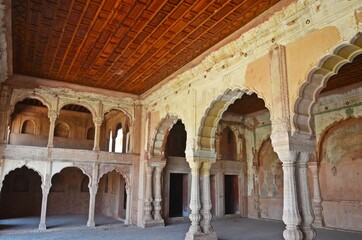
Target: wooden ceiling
<point>348,74</point>
<point>127,45</point>
<point>247,104</point>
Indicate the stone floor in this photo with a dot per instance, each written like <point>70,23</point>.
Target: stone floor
<point>65,227</point>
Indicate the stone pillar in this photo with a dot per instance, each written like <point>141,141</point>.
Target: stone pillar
<point>256,191</point>
<point>195,217</point>
<point>93,187</point>
<point>304,197</point>
<point>128,205</point>
<point>45,191</point>
<point>52,115</point>
<point>317,199</point>
<point>97,133</point>
<point>148,196</point>
<point>124,141</point>
<point>206,201</point>
<point>291,216</point>
<point>158,196</point>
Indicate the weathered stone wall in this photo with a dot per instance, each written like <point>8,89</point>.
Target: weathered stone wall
<point>339,128</point>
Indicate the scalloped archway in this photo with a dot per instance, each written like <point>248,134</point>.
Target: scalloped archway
<point>158,141</point>
<point>213,115</point>
<point>317,80</point>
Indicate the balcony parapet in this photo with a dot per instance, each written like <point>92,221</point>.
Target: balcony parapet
<point>29,153</point>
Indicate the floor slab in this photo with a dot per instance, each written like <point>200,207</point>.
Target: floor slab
<point>227,229</point>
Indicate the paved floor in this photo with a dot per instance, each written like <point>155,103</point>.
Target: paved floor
<point>229,229</point>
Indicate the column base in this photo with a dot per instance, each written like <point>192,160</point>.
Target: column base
<point>201,236</point>
<point>42,226</point>
<point>91,224</point>
<point>153,223</point>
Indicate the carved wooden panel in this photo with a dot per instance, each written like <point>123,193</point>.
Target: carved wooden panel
<point>127,46</point>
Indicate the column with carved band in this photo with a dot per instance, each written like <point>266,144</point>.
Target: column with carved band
<point>148,195</point>
<point>52,115</point>
<point>158,196</point>
<point>97,132</point>
<point>93,188</point>
<point>195,217</point>
<point>304,197</point>
<point>291,216</point>
<point>206,200</point>
<point>45,191</point>
<point>317,198</point>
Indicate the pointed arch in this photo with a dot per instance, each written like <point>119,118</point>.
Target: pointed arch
<point>317,80</point>
<point>158,141</point>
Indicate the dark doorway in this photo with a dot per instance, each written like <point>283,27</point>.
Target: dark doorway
<point>21,194</point>
<point>178,195</point>
<point>231,194</point>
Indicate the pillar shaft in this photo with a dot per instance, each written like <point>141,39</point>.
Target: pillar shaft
<point>291,216</point>
<point>158,196</point>
<point>44,203</point>
<point>93,187</point>
<point>148,194</point>
<point>194,201</point>
<point>97,133</point>
<point>128,206</point>
<point>52,118</point>
<point>92,200</point>
<point>317,198</point>
<point>304,197</point>
<point>206,198</point>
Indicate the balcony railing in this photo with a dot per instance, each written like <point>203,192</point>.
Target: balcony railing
<point>28,153</point>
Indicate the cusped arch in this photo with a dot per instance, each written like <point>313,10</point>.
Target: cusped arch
<point>7,171</point>
<point>107,169</point>
<point>317,79</point>
<point>83,104</point>
<point>126,113</point>
<point>213,115</point>
<point>72,166</point>
<point>159,137</point>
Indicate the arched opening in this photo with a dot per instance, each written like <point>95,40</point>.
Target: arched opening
<point>177,177</point>
<point>339,174</point>
<point>90,133</point>
<point>61,130</point>
<point>29,123</point>
<point>118,145</point>
<point>111,198</point>
<point>68,199</point>
<point>336,123</point>
<point>234,127</point>
<point>115,132</point>
<point>28,127</point>
<point>20,199</point>
<point>73,128</point>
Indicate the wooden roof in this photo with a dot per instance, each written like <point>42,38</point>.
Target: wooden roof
<point>123,45</point>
